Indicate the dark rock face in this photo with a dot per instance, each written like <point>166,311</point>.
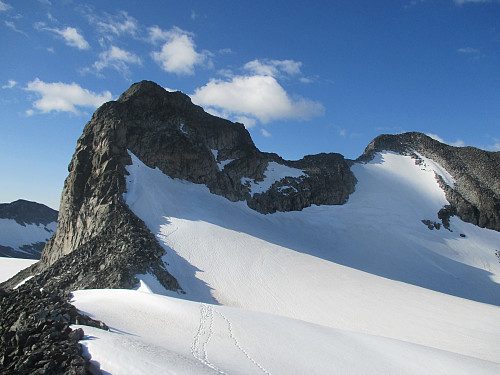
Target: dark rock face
<point>35,333</point>
<point>475,198</point>
<point>26,212</point>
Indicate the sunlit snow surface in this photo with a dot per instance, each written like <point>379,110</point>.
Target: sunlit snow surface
<point>274,172</point>
<point>11,266</point>
<point>15,235</point>
<point>363,288</point>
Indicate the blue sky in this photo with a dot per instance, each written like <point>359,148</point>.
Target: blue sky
<point>304,77</point>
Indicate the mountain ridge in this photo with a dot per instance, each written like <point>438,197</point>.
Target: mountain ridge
<point>160,193</point>
<point>166,130</point>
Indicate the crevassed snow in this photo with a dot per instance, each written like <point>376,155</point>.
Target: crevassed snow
<point>274,172</point>
<point>152,334</point>
<point>10,266</point>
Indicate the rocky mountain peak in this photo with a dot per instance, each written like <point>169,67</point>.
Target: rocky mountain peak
<point>100,236</point>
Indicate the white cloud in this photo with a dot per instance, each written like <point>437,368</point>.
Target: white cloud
<point>63,97</point>
<point>116,25</point>
<point>178,54</point>
<point>457,143</point>
<point>4,6</point>
<point>11,83</point>
<point>257,96</point>
<point>496,146</point>
<point>13,27</point>
<point>265,133</point>
<point>72,37</point>
<point>343,133</point>
<point>117,59</point>
<point>247,121</point>
<point>467,50</point>
<point>273,68</point>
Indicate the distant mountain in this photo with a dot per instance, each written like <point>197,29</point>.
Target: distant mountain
<point>167,198</point>
<point>24,228</point>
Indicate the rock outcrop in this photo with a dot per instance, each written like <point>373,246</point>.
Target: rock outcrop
<point>475,196</point>
<point>35,333</point>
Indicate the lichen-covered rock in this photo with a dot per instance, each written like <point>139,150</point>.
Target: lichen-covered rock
<point>475,196</point>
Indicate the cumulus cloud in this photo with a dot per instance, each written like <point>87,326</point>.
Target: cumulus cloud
<point>178,53</point>
<point>64,97</point>
<point>4,6</point>
<point>273,68</point>
<point>118,59</point>
<point>258,96</point>
<point>10,84</point>
<point>72,37</point>
<point>457,143</point>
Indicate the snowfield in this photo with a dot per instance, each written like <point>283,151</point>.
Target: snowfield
<point>153,334</point>
<point>14,236</point>
<point>362,288</point>
<point>11,266</point>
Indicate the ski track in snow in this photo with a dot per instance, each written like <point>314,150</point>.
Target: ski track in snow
<point>206,332</point>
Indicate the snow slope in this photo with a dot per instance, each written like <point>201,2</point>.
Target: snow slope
<point>154,334</point>
<point>10,266</point>
<point>363,288</point>
<point>24,241</point>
